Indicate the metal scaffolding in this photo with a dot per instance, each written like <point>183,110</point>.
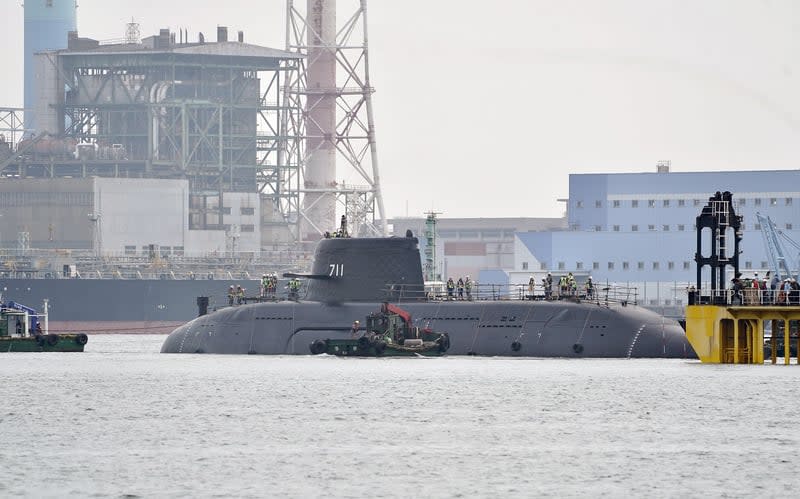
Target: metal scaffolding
<point>343,53</point>
<point>212,113</point>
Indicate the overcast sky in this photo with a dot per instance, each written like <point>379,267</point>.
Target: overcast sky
<point>483,108</point>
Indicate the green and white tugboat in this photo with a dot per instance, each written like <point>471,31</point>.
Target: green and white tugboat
<point>388,333</point>
<point>21,331</point>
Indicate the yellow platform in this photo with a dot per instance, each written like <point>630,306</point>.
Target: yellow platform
<point>735,334</point>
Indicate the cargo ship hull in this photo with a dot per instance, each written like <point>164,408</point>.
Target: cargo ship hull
<point>121,305</point>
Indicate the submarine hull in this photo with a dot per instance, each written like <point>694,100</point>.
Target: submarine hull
<point>492,328</point>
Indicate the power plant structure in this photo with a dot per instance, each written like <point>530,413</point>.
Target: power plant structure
<point>333,87</point>
<point>175,149</point>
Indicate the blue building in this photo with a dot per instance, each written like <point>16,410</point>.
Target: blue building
<point>638,228</point>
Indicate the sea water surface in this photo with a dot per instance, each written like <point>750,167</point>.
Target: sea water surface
<point>122,420</point>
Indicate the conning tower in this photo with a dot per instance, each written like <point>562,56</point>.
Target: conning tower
<point>366,269</point>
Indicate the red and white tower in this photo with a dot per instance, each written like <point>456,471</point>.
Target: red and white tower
<point>337,161</point>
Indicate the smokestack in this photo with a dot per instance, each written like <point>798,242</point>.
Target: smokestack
<point>321,122</point>
<point>46,28</point>
<point>222,33</point>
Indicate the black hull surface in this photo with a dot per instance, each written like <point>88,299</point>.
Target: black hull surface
<point>494,328</point>
<point>120,305</point>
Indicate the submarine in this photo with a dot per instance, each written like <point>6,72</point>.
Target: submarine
<point>352,278</point>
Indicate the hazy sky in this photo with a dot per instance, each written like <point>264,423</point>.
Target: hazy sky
<point>483,108</point>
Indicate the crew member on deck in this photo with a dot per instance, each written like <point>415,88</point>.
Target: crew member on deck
<point>354,330</point>
<point>451,287</point>
<point>231,295</point>
<point>460,286</point>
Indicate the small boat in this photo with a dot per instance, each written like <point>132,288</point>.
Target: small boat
<point>21,331</point>
<point>388,333</point>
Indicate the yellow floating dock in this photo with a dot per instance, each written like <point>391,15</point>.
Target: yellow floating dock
<point>734,334</point>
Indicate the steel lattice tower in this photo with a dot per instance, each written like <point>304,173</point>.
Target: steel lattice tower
<point>332,88</point>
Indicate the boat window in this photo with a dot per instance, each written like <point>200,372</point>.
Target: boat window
<point>610,265</point>
<point>640,265</point>
<point>625,265</point>
<point>656,266</point>
<point>616,228</point>
<point>788,201</point>
<point>635,203</point>
<point>634,228</point>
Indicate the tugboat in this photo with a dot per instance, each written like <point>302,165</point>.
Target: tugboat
<point>21,331</point>
<point>388,333</point>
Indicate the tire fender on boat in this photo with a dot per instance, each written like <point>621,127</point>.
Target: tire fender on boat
<point>81,339</point>
<point>516,346</point>
<point>444,342</point>
<point>318,346</point>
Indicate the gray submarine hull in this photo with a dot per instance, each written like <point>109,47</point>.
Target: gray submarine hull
<point>540,329</point>
<point>351,278</point>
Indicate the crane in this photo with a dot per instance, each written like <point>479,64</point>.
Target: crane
<point>780,263</point>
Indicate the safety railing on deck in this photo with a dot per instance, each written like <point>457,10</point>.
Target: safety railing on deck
<point>746,297</point>
<point>602,295</point>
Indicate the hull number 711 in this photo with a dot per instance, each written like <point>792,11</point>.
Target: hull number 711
<point>337,269</point>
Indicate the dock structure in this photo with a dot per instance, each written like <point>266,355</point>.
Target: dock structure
<point>726,326</point>
<point>734,334</point>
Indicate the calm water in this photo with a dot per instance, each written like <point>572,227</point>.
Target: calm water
<point>122,420</point>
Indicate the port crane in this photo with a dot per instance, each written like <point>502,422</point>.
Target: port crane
<point>781,263</point>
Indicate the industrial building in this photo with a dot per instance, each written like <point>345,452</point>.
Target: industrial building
<point>248,137</point>
<point>638,229</point>
<point>465,246</point>
<point>199,119</point>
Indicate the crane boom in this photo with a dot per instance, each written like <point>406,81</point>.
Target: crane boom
<point>779,263</point>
